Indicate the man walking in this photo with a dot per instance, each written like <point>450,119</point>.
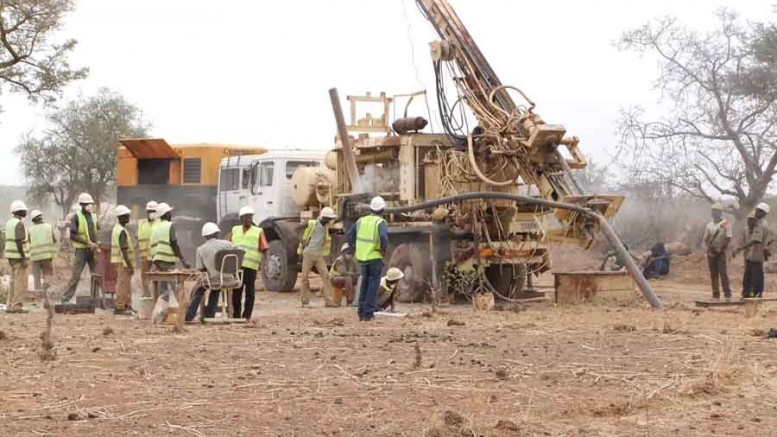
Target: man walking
<point>83,235</point>
<point>250,238</point>
<point>717,236</point>
<point>122,258</point>
<point>17,250</point>
<point>756,238</point>
<point>145,228</point>
<point>165,252</point>
<point>369,237</point>
<point>314,247</point>
<point>43,250</point>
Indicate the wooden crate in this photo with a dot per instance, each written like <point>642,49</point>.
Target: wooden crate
<point>573,288</point>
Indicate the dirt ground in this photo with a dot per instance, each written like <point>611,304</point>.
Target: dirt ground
<point>603,369</point>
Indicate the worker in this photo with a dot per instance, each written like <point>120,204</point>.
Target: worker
<point>369,237</point>
<point>717,236</point>
<point>145,228</point>
<point>17,250</point>
<point>122,258</point>
<point>250,238</point>
<point>165,252</point>
<point>344,275</point>
<point>205,261</point>
<point>620,261</point>
<point>314,247</point>
<point>83,235</point>
<point>657,263</point>
<point>43,250</point>
<point>388,289</point>
<point>754,245</point>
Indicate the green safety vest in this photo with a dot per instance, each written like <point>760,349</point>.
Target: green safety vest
<point>326,249</point>
<point>42,244</point>
<point>161,249</point>
<point>249,242</point>
<point>368,238</point>
<point>116,257</point>
<point>384,288</point>
<point>11,251</point>
<point>145,228</point>
<point>83,230</point>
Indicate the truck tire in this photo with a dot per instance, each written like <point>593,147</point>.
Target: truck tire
<point>277,272</point>
<point>414,263</point>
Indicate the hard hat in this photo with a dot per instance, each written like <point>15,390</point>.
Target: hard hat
<point>328,212</point>
<point>763,207</point>
<point>163,209</point>
<point>377,204</point>
<point>439,213</point>
<point>35,214</point>
<point>751,214</point>
<point>344,247</point>
<point>209,229</point>
<point>85,199</point>
<point>121,210</point>
<point>151,206</point>
<point>717,207</point>
<point>246,210</point>
<point>18,205</point>
<point>394,274</point>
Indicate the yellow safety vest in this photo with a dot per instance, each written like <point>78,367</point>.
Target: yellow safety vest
<point>42,244</point>
<point>83,230</point>
<point>11,251</point>
<point>368,238</point>
<point>326,249</point>
<point>145,228</point>
<point>116,257</point>
<point>249,242</point>
<point>384,288</point>
<point>161,248</point>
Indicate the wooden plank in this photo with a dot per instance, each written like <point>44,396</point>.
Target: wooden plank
<point>738,302</point>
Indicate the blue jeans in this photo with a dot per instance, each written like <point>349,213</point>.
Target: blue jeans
<point>194,305</point>
<point>368,295</point>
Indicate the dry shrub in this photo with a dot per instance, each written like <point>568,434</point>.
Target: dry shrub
<point>723,372</point>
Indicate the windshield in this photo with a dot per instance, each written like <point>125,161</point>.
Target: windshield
<point>292,166</point>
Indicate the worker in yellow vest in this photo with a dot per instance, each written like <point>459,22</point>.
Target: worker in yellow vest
<point>17,251</point>
<point>314,247</point>
<point>43,250</point>
<point>250,238</point>
<point>165,252</point>
<point>83,235</point>
<point>122,258</point>
<point>369,235</point>
<point>145,228</point>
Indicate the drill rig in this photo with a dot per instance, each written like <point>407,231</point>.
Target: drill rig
<point>470,210</point>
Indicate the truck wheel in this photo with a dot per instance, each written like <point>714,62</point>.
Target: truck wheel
<point>277,273</point>
<point>414,263</point>
<point>507,279</point>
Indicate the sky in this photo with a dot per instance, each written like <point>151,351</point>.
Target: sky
<point>257,72</point>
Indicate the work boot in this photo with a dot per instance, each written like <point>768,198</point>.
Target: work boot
<point>305,304</point>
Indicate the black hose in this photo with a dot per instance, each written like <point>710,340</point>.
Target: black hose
<point>490,195</point>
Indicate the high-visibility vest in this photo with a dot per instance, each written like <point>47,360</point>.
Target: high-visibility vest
<point>11,251</point>
<point>145,228</point>
<point>368,238</point>
<point>82,230</point>
<point>161,248</point>
<point>42,244</point>
<point>116,256</point>
<point>384,288</point>
<point>326,249</point>
<point>249,242</point>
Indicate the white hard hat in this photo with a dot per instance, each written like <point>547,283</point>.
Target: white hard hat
<point>246,210</point>
<point>763,207</point>
<point>328,212</point>
<point>35,214</point>
<point>163,209</point>
<point>85,199</point>
<point>121,210</point>
<point>377,204</point>
<point>18,205</point>
<point>394,274</point>
<point>151,206</point>
<point>345,247</point>
<point>209,229</point>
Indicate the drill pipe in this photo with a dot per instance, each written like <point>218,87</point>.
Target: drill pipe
<point>609,233</point>
<point>348,154</point>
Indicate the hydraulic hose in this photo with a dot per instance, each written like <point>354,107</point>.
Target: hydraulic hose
<point>476,169</point>
<point>609,233</point>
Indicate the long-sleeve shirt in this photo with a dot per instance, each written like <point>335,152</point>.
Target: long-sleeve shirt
<point>382,232</point>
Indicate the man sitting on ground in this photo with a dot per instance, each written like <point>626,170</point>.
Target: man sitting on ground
<point>345,273</point>
<point>206,262</point>
<point>388,289</point>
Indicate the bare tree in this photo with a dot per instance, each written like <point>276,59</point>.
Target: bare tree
<point>30,61</point>
<point>718,139</point>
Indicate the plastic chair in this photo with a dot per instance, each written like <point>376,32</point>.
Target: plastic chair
<point>230,276</point>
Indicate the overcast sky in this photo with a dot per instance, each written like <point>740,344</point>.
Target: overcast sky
<point>257,72</point>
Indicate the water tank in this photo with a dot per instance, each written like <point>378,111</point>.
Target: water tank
<point>331,159</point>
<point>311,186</point>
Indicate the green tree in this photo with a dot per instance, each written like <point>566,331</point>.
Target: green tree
<point>31,60</point>
<point>78,151</point>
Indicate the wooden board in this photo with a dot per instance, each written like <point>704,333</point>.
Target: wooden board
<point>738,302</point>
